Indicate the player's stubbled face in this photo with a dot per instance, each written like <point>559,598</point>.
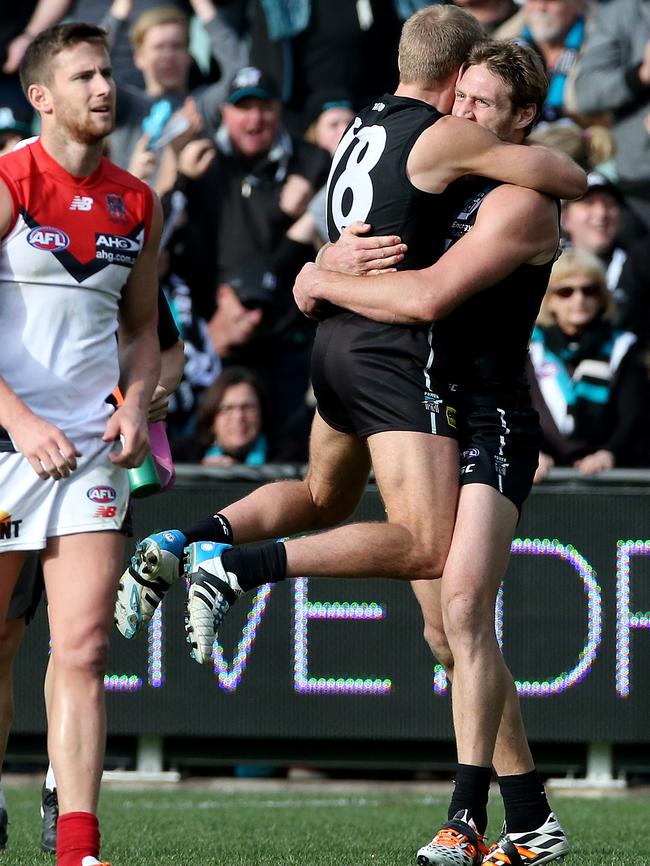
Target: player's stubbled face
<point>484,98</point>
<point>83,92</point>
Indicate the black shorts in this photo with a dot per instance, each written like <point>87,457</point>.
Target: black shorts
<point>499,447</point>
<point>371,378</point>
<point>28,590</point>
<point>30,585</point>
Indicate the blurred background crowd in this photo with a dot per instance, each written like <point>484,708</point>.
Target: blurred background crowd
<point>231,110</point>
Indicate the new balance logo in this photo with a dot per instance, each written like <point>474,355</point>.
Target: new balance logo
<point>82,202</point>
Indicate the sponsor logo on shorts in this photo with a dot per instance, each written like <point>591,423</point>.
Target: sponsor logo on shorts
<point>500,464</point>
<point>101,493</point>
<point>9,528</point>
<point>48,239</point>
<point>106,511</point>
<point>465,470</point>
<point>450,412</point>
<point>431,401</point>
<point>468,453</point>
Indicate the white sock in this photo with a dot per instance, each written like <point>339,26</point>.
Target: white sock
<point>3,802</point>
<point>50,780</point>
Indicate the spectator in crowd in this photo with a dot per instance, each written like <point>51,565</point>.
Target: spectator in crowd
<point>591,147</point>
<point>310,45</point>
<point>329,113</point>
<point>593,222</point>
<point>240,208</point>
<point>255,326</point>
<point>19,24</point>
<point>36,15</point>
<point>587,382</point>
<point>231,423</point>
<point>160,41</point>
<point>249,297</point>
<point>491,14</point>
<point>614,76</point>
<point>599,222</point>
<point>11,130</point>
<point>555,28</point>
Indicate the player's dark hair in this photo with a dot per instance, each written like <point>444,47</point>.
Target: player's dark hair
<point>36,66</point>
<point>519,67</point>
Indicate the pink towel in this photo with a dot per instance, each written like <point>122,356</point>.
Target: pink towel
<point>162,455</point>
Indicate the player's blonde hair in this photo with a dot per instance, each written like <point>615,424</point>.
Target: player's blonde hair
<point>435,42</point>
<point>165,14</point>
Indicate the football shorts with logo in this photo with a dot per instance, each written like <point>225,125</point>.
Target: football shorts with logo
<point>499,446</point>
<point>371,378</point>
<point>93,498</point>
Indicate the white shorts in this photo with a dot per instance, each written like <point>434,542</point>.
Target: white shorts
<point>93,499</point>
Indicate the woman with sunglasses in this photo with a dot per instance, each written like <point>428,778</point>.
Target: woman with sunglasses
<point>587,381</point>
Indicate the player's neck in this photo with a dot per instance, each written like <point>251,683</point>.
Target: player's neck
<point>74,157</point>
<point>437,97</point>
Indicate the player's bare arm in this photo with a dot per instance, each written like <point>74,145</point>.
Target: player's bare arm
<point>454,146</point>
<point>139,352</point>
<point>49,451</point>
<point>514,226</point>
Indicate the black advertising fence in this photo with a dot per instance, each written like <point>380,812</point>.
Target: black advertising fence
<point>345,660</point>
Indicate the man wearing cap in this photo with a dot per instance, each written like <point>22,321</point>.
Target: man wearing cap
<point>594,222</point>
<point>260,182</point>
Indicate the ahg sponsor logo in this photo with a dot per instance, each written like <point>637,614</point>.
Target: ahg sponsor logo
<point>116,249</point>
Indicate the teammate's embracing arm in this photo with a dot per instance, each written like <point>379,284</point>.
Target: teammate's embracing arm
<point>139,352</point>
<point>48,449</point>
<point>514,226</point>
<point>454,147</point>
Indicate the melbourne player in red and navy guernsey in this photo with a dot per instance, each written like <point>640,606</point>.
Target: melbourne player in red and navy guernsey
<point>63,265</point>
<point>78,262</point>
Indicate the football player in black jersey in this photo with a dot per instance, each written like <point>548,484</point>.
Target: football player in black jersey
<point>486,292</point>
<point>376,402</point>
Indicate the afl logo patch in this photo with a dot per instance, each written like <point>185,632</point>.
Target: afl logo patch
<point>101,494</point>
<point>49,239</point>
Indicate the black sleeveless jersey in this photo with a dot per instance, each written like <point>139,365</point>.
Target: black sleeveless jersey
<point>368,180</point>
<point>484,342</point>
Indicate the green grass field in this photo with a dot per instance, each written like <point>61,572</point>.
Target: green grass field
<point>309,826</point>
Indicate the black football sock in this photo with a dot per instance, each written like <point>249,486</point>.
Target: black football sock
<point>471,792</point>
<point>524,801</point>
<point>257,564</point>
<point>214,528</point>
